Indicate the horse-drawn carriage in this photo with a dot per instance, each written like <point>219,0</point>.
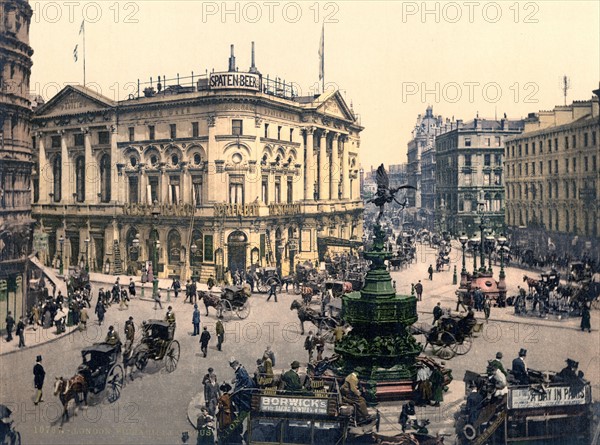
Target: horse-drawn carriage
<point>451,336</point>
<point>579,271</point>
<point>267,276</point>
<point>157,344</point>
<point>233,299</point>
<point>101,371</point>
<point>324,323</point>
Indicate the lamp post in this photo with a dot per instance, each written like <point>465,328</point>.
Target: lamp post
<point>194,249</point>
<point>480,212</point>
<point>490,241</point>
<point>475,243</point>
<point>463,273</point>
<point>61,241</point>
<point>135,245</point>
<point>502,243</point>
<point>87,245</point>
<point>156,246</point>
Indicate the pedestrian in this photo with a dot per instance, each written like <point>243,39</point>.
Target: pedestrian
<point>123,303</point>
<point>196,321</point>
<point>36,316</point>
<point>430,272</point>
<point>170,316</point>
<point>210,282</point>
<point>326,296</point>
<point>309,345</point>
<point>10,324</point>
<point>176,285</point>
<point>39,374</point>
<point>407,414</point>
<point>193,292</point>
<point>112,337</point>
<point>220,334</point>
<point>204,339</point>
<point>131,288</point>
<point>419,290</point>
<point>273,291</point>
<point>157,299</point>
<point>270,354</point>
<point>437,312</point>
<point>206,380</point>
<point>100,312</point>
<point>585,318</point>
<point>437,386</point>
<point>423,384</point>
<point>487,308</point>
<point>83,318</point>
<point>21,332</point>
<point>129,330</point>
<point>212,394</point>
<point>320,346</point>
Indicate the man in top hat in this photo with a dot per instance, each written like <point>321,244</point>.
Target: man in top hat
<point>519,368</point>
<point>569,373</point>
<point>291,379</point>
<point>129,330</point>
<point>497,363</point>
<point>39,374</point>
<point>242,380</point>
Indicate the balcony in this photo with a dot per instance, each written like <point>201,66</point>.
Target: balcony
<point>225,209</point>
<point>284,209</point>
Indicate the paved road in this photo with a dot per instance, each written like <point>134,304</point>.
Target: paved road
<point>152,409</point>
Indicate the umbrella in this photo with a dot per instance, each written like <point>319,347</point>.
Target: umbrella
<point>4,412</point>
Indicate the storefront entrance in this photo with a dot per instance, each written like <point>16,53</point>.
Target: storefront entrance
<point>237,243</point>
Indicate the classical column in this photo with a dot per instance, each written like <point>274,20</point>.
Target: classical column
<point>211,180</point>
<point>186,184</point>
<point>142,185</point>
<point>44,171</point>
<point>334,167</point>
<point>309,184</point>
<point>164,184</point>
<point>92,177</point>
<point>323,170</point>
<point>345,170</point>
<point>67,173</point>
<point>117,182</point>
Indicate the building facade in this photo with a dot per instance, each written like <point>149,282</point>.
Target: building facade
<point>552,179</point>
<point>15,156</point>
<point>469,174</point>
<point>231,170</point>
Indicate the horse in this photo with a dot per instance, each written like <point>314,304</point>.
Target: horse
<point>532,283</point>
<point>209,299</point>
<point>305,314</point>
<point>67,390</point>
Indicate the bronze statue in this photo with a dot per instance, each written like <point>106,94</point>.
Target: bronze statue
<point>385,194</point>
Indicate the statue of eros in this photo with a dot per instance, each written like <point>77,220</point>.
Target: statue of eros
<point>385,194</point>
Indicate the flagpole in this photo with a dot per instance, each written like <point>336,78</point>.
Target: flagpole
<point>83,27</point>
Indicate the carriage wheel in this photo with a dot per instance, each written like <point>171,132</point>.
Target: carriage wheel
<point>243,311</point>
<point>297,288</point>
<point>277,282</point>
<point>461,348</point>
<point>328,336</point>
<point>224,308</point>
<point>444,348</point>
<point>262,287</point>
<point>141,357</point>
<point>114,383</point>
<point>172,356</point>
<point>469,431</point>
<point>327,324</point>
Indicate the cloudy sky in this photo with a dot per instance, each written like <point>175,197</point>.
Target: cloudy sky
<point>390,59</point>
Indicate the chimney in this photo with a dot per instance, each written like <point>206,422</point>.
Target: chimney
<point>253,66</point>
<point>231,61</point>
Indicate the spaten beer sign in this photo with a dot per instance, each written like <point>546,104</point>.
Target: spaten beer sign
<point>234,80</point>
<point>520,398</point>
<point>293,405</point>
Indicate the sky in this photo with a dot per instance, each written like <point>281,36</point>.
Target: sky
<point>389,59</point>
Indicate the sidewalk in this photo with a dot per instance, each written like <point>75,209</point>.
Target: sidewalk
<point>33,338</point>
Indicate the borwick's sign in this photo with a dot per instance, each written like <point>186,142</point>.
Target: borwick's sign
<point>245,81</point>
<point>553,396</point>
<point>293,405</point>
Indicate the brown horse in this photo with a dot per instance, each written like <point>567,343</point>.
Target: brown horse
<point>210,300</point>
<point>67,390</point>
<point>532,283</point>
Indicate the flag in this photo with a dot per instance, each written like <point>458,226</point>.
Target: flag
<point>75,53</point>
<point>322,54</point>
<point>81,28</point>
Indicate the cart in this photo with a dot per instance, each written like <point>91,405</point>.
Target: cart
<point>157,344</point>
<point>266,277</point>
<point>101,371</point>
<point>234,299</point>
<point>450,337</point>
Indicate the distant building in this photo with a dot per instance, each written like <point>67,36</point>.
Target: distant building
<point>552,180</point>
<point>469,174</point>
<point>398,174</point>
<point>219,171</point>
<point>15,157</point>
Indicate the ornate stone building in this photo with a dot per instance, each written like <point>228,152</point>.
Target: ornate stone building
<point>552,179</point>
<point>15,156</point>
<point>231,169</point>
<point>469,171</point>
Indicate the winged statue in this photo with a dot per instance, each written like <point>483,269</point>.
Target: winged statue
<point>385,194</point>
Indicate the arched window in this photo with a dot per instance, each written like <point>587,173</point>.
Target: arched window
<point>174,247</point>
<point>105,178</point>
<point>80,179</point>
<point>57,175</point>
<point>197,257</point>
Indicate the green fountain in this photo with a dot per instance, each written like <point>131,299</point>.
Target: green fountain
<point>380,348</point>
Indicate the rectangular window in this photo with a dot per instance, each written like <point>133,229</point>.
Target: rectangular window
<point>497,141</point>
<point>585,163</point>
<point>279,133</point>
<point>467,160</point>
<point>593,138</point>
<point>262,245</point>
<point>486,179</point>
<point>291,134</point>
<point>556,166</point>
<point>574,141</point>
<point>153,189</point>
<point>195,130</point>
<point>512,152</point>
<point>103,138</point>
<point>567,165</point>
<point>526,149</point>
<point>208,248</point>
<point>498,159</point>
<point>264,190</point>
<point>549,167</point>
<point>488,142</point>
<point>520,170</point>
<point>133,189</point>
<point>277,189</point>
<point>527,169</point>
<point>236,189</point>
<point>594,163</point>
<point>174,190</point>
<point>266,131</point>
<point>555,144</point>
<point>237,127</point>
<point>467,142</point>
<point>566,142</point>
<point>173,131</point>
<point>566,190</point>
<point>468,179</point>
<point>487,160</point>
<point>550,190</point>
<point>549,145</point>
<point>151,132</point>
<point>533,168</point>
<point>520,151</point>
<point>79,140</point>
<point>533,148</point>
<point>55,142</point>
<point>197,186</point>
<point>498,179</point>
<point>290,191</point>
<point>541,168</point>
<point>585,139</point>
<point>574,165</point>
<point>131,134</point>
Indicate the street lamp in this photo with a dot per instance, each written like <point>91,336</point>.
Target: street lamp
<point>61,240</point>
<point>490,241</point>
<point>480,212</point>
<point>156,246</point>
<point>475,243</point>
<point>87,245</point>
<point>502,243</point>
<point>463,241</point>
<point>194,249</point>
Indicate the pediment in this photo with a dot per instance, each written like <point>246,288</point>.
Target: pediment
<point>335,106</point>
<point>74,100</point>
